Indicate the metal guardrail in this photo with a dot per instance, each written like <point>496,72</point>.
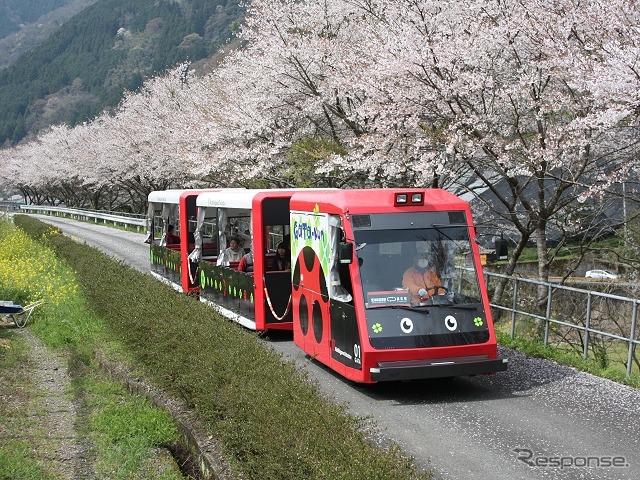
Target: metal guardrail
<point>569,310</point>
<point>9,206</point>
<point>116,218</point>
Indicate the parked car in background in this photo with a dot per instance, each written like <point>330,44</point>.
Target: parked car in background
<point>600,274</point>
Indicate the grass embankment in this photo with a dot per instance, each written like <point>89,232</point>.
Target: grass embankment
<point>116,435</point>
<point>271,421</point>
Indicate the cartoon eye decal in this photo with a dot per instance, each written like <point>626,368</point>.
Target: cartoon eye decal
<point>406,325</point>
<point>451,323</point>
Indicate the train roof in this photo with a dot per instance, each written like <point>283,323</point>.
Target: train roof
<point>169,196</point>
<point>375,199</point>
<point>174,195</point>
<point>243,199</point>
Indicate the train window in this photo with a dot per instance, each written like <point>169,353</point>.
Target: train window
<point>386,255</point>
<point>274,235</point>
<point>240,227</point>
<point>164,214</point>
<point>388,261</point>
<point>340,287</point>
<point>157,226</point>
<point>210,227</point>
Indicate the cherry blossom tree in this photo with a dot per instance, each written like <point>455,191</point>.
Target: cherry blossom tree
<point>520,93</point>
<point>515,94</point>
<point>285,88</point>
<point>535,104</point>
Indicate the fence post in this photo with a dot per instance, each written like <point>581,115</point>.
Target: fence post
<point>513,309</point>
<point>547,315</point>
<point>632,337</point>
<point>587,325</point>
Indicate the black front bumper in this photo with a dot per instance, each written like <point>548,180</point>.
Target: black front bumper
<point>437,368</point>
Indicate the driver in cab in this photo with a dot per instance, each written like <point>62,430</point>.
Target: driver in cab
<point>421,280</point>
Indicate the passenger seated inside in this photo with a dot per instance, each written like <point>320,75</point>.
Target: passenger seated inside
<point>282,260</point>
<point>244,238</point>
<point>421,281</point>
<point>171,238</point>
<point>233,253</point>
<point>246,263</point>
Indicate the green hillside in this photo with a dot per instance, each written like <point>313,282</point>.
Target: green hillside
<point>109,47</point>
<point>14,13</point>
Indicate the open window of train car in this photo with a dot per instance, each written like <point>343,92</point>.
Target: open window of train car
<point>172,221</point>
<point>273,219</point>
<point>276,234</point>
<point>162,211</point>
<point>205,235</point>
<point>163,219</point>
<point>259,299</point>
<point>221,216</point>
<point>234,224</point>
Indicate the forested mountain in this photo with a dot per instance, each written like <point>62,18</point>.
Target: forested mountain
<point>14,13</point>
<point>109,47</point>
<point>24,25</point>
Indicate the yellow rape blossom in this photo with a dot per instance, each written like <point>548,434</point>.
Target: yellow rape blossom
<point>29,271</point>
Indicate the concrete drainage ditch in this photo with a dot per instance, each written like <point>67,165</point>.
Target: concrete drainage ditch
<point>198,456</point>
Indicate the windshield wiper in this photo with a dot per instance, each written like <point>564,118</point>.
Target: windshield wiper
<point>465,306</point>
<point>417,308</point>
<point>447,302</point>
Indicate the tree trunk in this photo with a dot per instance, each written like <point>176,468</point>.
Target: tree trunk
<point>511,267</point>
<point>543,272</point>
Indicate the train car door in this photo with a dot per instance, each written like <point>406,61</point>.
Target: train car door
<point>273,278</point>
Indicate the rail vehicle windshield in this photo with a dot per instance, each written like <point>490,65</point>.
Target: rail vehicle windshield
<point>400,255</point>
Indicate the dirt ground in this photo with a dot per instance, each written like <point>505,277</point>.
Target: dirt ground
<point>38,406</point>
<point>53,417</point>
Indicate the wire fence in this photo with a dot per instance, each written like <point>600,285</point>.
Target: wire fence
<point>603,324</point>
